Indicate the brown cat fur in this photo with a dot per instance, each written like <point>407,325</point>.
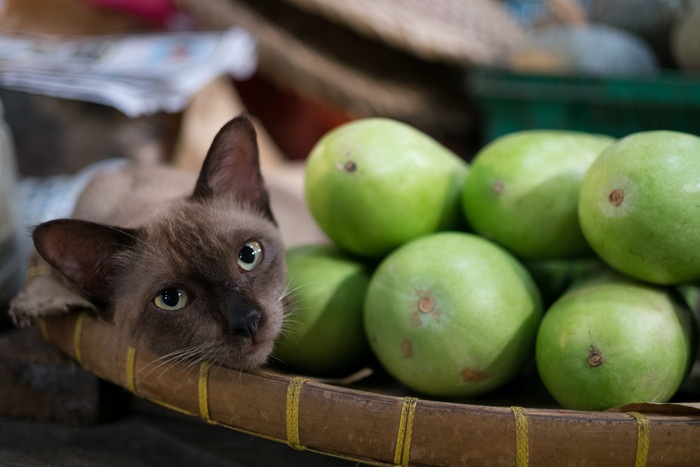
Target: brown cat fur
<point>148,237</point>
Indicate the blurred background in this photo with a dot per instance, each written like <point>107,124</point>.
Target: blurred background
<point>90,83</point>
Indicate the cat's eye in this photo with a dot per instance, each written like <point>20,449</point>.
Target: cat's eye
<point>171,299</point>
<point>250,255</point>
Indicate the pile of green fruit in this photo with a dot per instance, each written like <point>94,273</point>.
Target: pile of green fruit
<point>561,246</point>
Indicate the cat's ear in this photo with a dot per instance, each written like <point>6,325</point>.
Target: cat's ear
<point>84,253</point>
<point>232,166</point>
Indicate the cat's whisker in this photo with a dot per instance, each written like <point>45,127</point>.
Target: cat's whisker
<point>155,364</point>
<point>289,325</point>
<point>287,330</point>
<point>197,359</point>
<point>216,356</point>
<point>168,360</point>
<point>287,292</point>
<point>210,352</point>
<point>275,358</point>
<point>290,292</point>
<point>239,371</point>
<point>166,367</point>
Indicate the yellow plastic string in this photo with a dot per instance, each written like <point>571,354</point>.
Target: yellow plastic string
<point>522,447</point>
<point>77,338</point>
<point>44,329</point>
<point>403,439</point>
<point>203,388</point>
<point>642,439</point>
<point>34,271</point>
<point>131,370</point>
<point>293,396</point>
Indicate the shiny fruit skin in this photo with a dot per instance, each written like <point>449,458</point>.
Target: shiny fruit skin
<point>609,342</point>
<point>373,184</point>
<point>522,191</point>
<point>452,314</point>
<point>323,332</point>
<point>640,206</point>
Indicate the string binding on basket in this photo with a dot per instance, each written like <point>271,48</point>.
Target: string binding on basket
<point>640,459</point>
<point>77,339</point>
<point>522,443</point>
<point>293,396</point>
<point>131,370</point>
<point>405,432</point>
<point>203,391</point>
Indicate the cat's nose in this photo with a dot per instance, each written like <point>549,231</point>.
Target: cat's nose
<point>245,323</point>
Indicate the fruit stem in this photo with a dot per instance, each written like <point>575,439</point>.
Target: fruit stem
<point>350,166</point>
<point>426,304</point>
<point>595,358</point>
<point>616,197</point>
<point>497,187</point>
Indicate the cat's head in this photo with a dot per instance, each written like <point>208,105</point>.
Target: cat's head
<point>203,279</point>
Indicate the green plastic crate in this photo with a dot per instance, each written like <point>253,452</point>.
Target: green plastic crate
<point>512,101</point>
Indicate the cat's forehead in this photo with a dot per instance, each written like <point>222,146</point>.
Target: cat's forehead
<point>210,230</point>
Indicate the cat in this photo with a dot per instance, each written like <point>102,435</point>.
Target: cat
<point>189,267</point>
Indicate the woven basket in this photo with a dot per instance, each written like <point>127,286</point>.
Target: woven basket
<point>390,58</point>
<point>381,429</point>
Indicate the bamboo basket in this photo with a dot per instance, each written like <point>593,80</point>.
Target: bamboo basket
<point>379,429</point>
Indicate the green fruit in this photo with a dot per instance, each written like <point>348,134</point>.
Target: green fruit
<point>373,184</point>
<point>323,332</point>
<point>452,314</point>
<point>640,206</point>
<point>522,191</point>
<point>611,342</point>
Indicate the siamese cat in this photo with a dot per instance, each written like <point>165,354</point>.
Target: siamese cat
<point>188,267</point>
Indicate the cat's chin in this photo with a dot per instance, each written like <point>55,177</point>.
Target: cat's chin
<point>244,356</point>
<point>226,350</point>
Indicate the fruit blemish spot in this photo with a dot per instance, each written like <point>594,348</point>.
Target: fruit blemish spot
<point>497,187</point>
<point>471,375</point>
<point>423,306</point>
<point>426,304</point>
<point>407,347</point>
<point>349,166</point>
<point>595,358</point>
<point>616,197</point>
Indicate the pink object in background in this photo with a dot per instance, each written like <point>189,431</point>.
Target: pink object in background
<point>155,11</point>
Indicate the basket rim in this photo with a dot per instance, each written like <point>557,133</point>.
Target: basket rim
<point>209,392</point>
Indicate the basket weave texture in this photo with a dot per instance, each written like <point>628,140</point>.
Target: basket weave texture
<point>380,429</point>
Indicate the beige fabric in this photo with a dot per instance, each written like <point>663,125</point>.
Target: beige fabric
<point>45,294</point>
